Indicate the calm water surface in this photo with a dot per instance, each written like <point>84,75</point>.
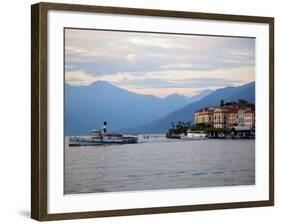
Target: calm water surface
<point>159,163</point>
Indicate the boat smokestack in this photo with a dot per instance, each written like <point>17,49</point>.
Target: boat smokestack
<point>104,127</point>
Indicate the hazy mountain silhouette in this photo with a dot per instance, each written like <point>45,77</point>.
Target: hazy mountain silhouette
<point>86,107</point>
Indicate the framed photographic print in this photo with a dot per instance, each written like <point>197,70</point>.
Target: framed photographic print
<point>140,111</point>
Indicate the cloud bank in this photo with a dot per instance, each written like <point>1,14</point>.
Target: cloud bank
<point>158,64</point>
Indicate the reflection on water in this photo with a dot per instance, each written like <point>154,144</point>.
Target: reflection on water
<point>159,163</point>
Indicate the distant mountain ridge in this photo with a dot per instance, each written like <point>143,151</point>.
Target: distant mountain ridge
<point>86,107</point>
<point>228,94</point>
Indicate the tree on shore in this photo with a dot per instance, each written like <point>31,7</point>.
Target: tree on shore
<point>241,101</point>
<point>180,127</point>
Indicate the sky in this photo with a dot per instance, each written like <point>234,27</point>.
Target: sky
<point>158,64</point>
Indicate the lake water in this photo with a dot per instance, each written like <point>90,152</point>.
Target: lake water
<point>159,163</point>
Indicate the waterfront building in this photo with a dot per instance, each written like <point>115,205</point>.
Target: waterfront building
<point>232,117</point>
<point>220,117</point>
<point>205,116</point>
<point>249,118</point>
<point>240,115</point>
<point>227,116</point>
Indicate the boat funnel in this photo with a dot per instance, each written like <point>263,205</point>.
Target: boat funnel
<point>104,127</point>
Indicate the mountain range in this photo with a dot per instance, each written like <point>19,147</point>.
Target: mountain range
<point>86,107</point>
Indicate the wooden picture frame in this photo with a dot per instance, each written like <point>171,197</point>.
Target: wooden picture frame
<point>39,109</point>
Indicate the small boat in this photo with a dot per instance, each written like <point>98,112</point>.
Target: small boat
<point>101,137</point>
<point>195,135</point>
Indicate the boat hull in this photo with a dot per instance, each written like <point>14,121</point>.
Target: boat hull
<point>80,141</point>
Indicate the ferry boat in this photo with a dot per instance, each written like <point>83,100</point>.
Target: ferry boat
<point>101,137</point>
<point>195,135</point>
